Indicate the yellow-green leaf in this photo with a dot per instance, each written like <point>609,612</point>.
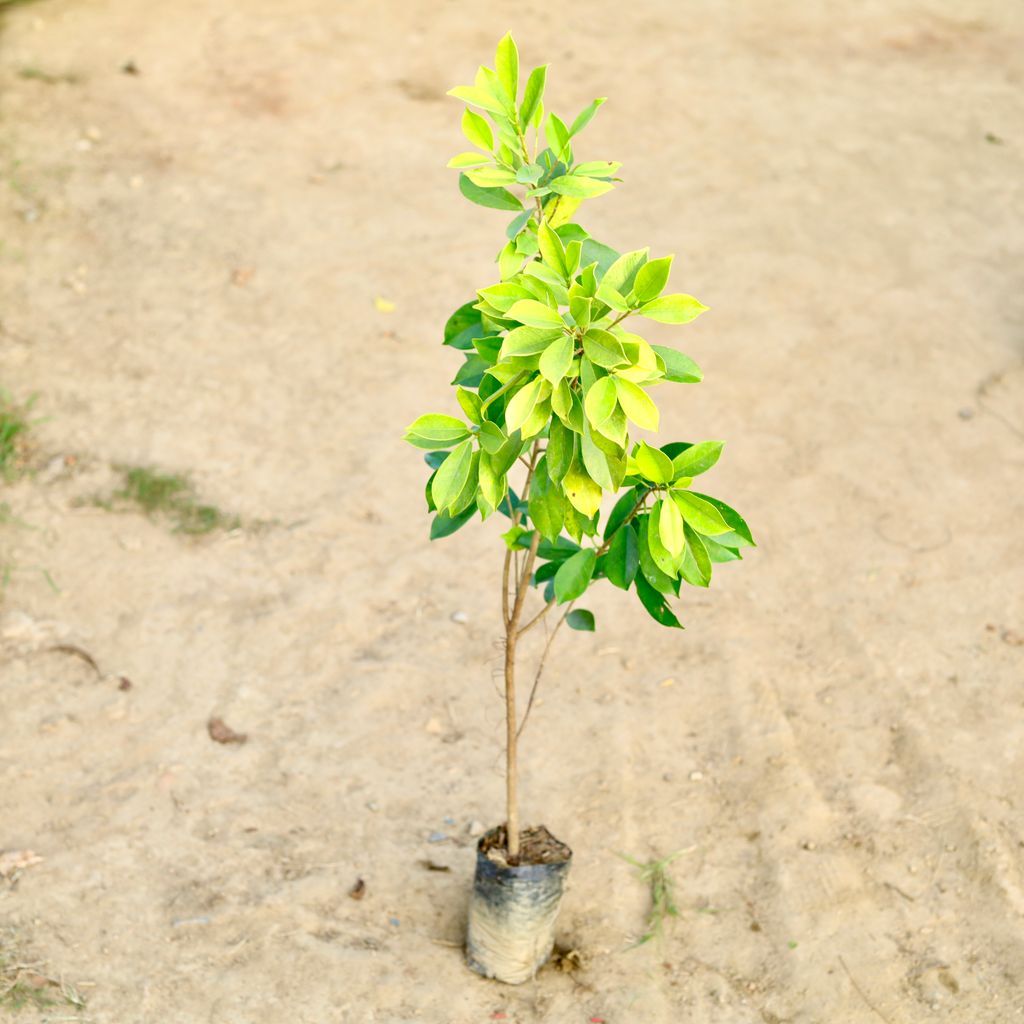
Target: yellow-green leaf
<point>637,404</point>
<point>477,130</point>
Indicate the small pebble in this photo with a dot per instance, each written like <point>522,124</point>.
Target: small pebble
<point>460,617</point>
<point>372,805</point>
<point>180,922</point>
<point>967,413</point>
<point>449,821</point>
<point>696,776</point>
<point>474,829</point>
<point>436,837</point>
<point>394,921</point>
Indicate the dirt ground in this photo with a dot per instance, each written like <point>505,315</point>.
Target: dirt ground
<point>190,260</point>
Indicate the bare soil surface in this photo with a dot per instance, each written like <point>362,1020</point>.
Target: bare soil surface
<point>200,203</point>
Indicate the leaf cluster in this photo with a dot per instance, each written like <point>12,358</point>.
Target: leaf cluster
<point>552,379</point>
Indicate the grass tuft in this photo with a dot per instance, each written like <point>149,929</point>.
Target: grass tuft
<point>26,983</point>
<point>654,874</point>
<point>14,424</point>
<point>170,496</point>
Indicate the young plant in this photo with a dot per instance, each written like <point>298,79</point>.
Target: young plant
<point>554,382</point>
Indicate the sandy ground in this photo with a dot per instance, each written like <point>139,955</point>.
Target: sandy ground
<point>189,263</point>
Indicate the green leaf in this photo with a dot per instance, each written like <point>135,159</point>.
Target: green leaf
<point>651,279</point>
<point>506,62</point>
<point>679,368</point>
<point>469,160</point>
<point>574,575</point>
<point>529,174</point>
<point>719,552</point>
<point>557,135</point>
<point>732,518</point>
<point>656,605</point>
<point>700,514</point>
<point>557,358</point>
<point>560,450</point>
<point>471,371</point>
<point>650,570</point>
<point>584,117</point>
<point>522,404</point>
<point>610,297</point>
<point>491,479</point>
<point>444,524</point>
<point>615,429</point>
<point>581,619</point>
<point>491,177</point>
<point>477,130</point>
<point>652,464</point>
<point>668,525</point>
<point>492,438</point>
<point>597,169</point>
<point>516,224</point>
<point>534,314</point>
<point>463,327</point>
<point>664,559</point>
<point>452,476</point>
<point>603,349</point>
<point>579,187</point>
<point>696,567</point>
<point>435,431</point>
<point>470,403</point>
<point>495,198</point>
<point>584,495</point>
<point>477,97</point>
<point>622,559</point>
<point>547,506</point>
<point>595,462</point>
<point>597,252</point>
<point>673,309</point>
<point>528,341</point>
<point>552,251</point>
<point>697,459</point>
<point>509,261</point>
<point>622,273</point>
<point>637,404</point>
<point>623,507</point>
<point>600,401</point>
<point>532,94</point>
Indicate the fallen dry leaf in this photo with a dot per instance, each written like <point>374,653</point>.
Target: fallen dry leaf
<point>358,891</point>
<point>220,732</point>
<point>17,860</point>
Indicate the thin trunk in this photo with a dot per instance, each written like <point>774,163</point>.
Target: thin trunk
<point>511,766</point>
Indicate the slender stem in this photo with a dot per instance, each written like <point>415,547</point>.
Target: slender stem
<point>504,387</point>
<point>540,666</point>
<point>511,751</point>
<point>504,586</point>
<point>540,615</point>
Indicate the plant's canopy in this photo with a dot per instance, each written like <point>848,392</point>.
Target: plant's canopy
<point>553,378</point>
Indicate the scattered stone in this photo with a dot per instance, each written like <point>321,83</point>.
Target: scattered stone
<point>434,726</point>
<point>221,732</point>
<point>967,413</point>
<point>437,837</point>
<point>667,682</point>
<point>181,922</point>
<point>474,829</point>
<point>460,617</point>
<point>372,805</point>
<point>124,683</point>
<point>696,776</point>
<point>432,865</point>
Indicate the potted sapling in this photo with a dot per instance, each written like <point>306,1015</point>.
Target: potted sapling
<point>556,377</point>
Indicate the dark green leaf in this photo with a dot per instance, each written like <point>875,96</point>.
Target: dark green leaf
<point>622,509</point>
<point>444,524</point>
<point>463,326</point>
<point>546,503</point>
<point>495,198</point>
<point>656,605</point>
<point>574,576</point>
<point>621,561</point>
<point>581,619</point>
